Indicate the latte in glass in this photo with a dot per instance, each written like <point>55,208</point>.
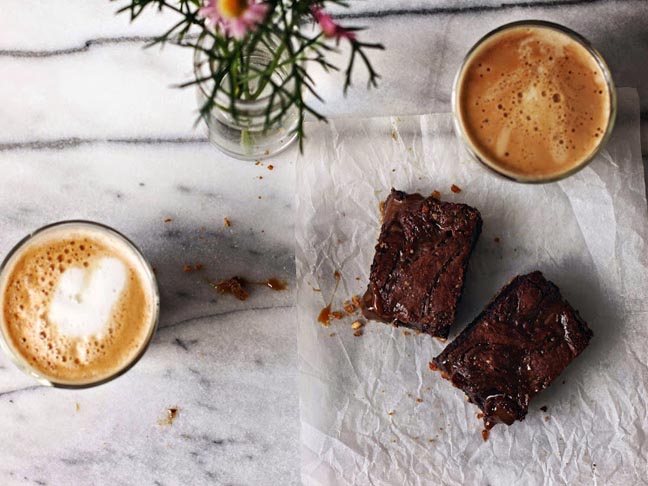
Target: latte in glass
<point>79,304</point>
<point>534,101</point>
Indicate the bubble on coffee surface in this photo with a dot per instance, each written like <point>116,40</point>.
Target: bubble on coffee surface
<point>76,309</point>
<point>534,101</point>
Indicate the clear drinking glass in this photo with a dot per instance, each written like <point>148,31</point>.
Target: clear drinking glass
<point>146,271</point>
<point>246,135</point>
<point>478,155</point>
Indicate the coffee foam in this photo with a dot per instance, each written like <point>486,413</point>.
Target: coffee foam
<point>83,299</point>
<point>533,101</point>
<point>76,304</point>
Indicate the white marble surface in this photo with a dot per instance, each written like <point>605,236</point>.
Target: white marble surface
<point>229,366</point>
<point>89,127</point>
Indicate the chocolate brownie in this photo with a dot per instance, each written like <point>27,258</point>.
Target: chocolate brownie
<point>419,267</point>
<point>515,348</point>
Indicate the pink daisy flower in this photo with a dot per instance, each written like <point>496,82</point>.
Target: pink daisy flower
<point>234,18</point>
<point>329,27</point>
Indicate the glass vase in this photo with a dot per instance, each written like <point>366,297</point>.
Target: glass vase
<point>242,130</point>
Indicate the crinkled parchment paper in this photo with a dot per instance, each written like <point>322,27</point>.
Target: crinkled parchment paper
<point>372,412</point>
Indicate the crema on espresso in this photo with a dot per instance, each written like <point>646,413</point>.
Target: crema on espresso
<point>78,304</point>
<point>533,102</point>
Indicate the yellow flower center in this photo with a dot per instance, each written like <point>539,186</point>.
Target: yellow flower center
<point>232,9</point>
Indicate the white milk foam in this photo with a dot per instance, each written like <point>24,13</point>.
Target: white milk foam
<point>84,298</point>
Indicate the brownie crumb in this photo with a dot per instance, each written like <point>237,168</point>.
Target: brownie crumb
<point>455,189</point>
<point>233,286</point>
<point>191,268</point>
<point>226,222</point>
<point>436,194</point>
<point>496,239</point>
<point>271,167</point>
<point>543,408</point>
<point>168,220</point>
<point>171,415</point>
<point>357,333</point>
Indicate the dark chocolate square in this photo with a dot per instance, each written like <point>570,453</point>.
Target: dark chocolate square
<point>420,263</point>
<point>515,348</point>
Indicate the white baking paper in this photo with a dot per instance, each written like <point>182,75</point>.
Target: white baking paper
<point>372,413</point>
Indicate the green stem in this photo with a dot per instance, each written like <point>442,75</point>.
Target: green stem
<point>272,67</point>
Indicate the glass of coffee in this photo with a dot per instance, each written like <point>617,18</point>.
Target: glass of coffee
<point>79,304</point>
<point>533,101</point>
